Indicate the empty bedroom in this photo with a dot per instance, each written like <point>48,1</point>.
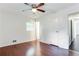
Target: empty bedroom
<point>39,29</point>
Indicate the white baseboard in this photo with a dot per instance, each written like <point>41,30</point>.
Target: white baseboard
<point>44,41</point>
<point>8,44</point>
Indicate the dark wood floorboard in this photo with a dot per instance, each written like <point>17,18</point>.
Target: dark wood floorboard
<point>45,50</point>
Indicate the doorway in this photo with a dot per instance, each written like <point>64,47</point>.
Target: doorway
<point>74,31</point>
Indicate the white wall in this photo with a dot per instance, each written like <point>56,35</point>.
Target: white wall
<point>13,27</point>
<point>57,22</point>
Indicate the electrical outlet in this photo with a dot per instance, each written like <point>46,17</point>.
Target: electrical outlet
<point>14,41</point>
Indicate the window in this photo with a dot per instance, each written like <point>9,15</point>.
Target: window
<point>34,27</point>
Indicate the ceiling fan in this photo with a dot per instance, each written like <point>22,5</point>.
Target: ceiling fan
<point>36,7</point>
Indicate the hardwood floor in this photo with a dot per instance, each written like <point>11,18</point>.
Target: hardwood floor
<point>45,50</point>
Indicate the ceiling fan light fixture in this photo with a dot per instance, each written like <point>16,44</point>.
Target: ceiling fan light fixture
<point>34,10</point>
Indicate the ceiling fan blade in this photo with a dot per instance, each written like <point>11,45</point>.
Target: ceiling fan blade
<point>41,10</point>
<point>26,3</point>
<point>41,4</point>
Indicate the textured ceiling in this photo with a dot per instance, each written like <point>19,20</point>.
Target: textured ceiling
<point>18,7</point>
